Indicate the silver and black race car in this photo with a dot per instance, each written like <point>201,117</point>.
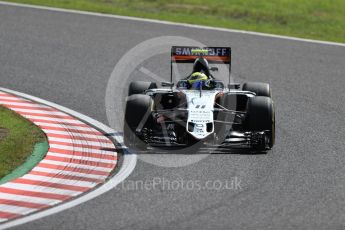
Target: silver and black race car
<point>199,108</point>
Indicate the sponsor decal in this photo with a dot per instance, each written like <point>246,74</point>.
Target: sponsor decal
<point>209,51</point>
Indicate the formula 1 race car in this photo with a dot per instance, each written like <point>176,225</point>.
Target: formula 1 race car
<point>199,108</point>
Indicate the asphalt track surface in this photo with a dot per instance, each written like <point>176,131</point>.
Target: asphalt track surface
<point>68,58</point>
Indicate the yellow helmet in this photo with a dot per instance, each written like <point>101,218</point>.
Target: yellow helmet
<point>197,76</point>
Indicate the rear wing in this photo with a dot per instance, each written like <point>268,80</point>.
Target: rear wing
<point>188,54</point>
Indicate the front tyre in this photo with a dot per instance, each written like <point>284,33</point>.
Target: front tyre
<point>259,88</point>
<point>261,117</point>
<point>139,87</point>
<point>137,116</point>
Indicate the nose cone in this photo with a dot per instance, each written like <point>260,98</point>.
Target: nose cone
<point>200,130</point>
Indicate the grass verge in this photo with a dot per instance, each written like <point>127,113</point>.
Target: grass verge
<point>316,19</point>
<point>18,137</point>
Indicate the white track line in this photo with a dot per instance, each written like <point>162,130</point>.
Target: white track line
<point>155,21</point>
<point>64,121</point>
<point>129,162</point>
<point>25,104</point>
<point>66,126</point>
<point>12,99</point>
<point>49,113</point>
<point>81,141</point>
<point>16,209</point>
<point>75,134</point>
<point>80,157</point>
<point>60,181</point>
<point>61,172</point>
<point>37,200</point>
<point>81,149</point>
<point>37,188</point>
<point>76,166</point>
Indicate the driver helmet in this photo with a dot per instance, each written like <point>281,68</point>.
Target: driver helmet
<point>197,80</point>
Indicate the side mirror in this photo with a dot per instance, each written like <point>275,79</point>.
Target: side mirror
<point>218,85</point>
<point>214,68</point>
<point>234,86</point>
<point>167,84</point>
<point>182,84</point>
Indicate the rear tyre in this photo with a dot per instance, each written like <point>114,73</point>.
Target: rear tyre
<point>259,88</point>
<point>137,115</point>
<point>139,87</point>
<point>261,117</point>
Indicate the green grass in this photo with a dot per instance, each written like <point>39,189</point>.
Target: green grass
<point>18,137</point>
<point>315,19</point>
